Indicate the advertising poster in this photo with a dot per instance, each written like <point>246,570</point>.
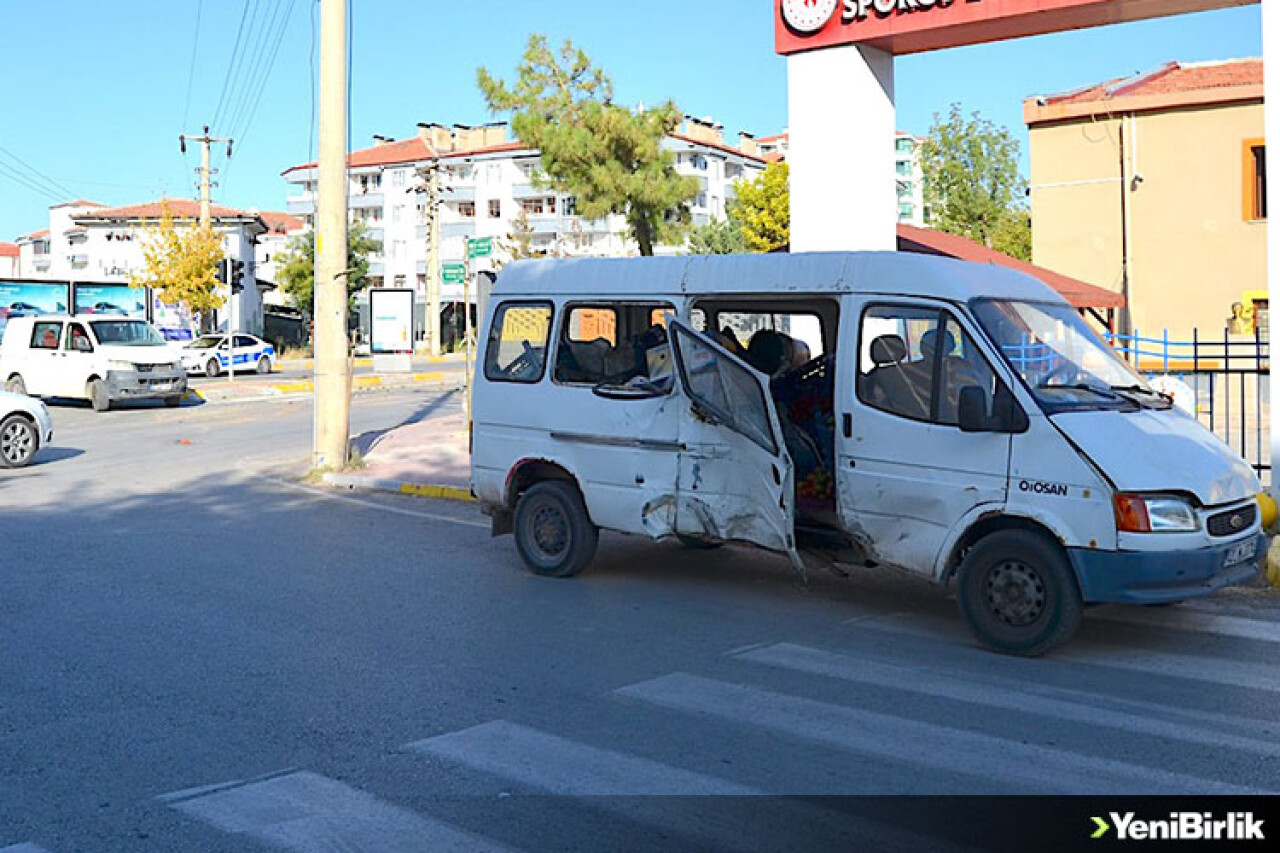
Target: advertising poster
<point>119,300</point>
<point>23,298</point>
<point>391,320</point>
<point>174,321</point>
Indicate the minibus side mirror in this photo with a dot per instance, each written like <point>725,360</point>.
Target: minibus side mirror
<point>1006,415</point>
<point>643,390</point>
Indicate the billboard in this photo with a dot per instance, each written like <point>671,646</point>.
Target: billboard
<point>22,298</point>
<point>391,320</point>
<point>119,300</point>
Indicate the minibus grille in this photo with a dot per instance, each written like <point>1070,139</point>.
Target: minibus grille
<point>1233,521</point>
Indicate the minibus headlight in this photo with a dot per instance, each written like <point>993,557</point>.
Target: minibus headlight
<point>1138,514</point>
<point>120,365</point>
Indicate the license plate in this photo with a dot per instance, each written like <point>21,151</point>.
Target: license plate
<point>1241,551</point>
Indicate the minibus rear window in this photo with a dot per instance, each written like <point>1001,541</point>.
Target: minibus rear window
<point>517,347</point>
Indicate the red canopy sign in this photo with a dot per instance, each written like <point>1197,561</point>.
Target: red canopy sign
<point>911,26</point>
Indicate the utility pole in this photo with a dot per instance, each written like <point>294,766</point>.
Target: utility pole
<point>206,204</point>
<point>332,383</point>
<point>430,175</point>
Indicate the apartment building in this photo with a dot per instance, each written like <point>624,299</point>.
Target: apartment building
<point>488,182</point>
<point>9,256</point>
<point>1155,186</point>
<point>89,242</point>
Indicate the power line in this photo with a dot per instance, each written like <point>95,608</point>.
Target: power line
<point>265,77</point>
<point>191,71</point>
<point>235,52</point>
<point>261,73</point>
<point>19,178</point>
<point>253,48</point>
<point>36,175</point>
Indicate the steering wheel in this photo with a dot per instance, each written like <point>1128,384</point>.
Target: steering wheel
<point>1066,371</point>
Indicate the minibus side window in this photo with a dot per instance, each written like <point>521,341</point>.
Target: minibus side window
<point>613,343</point>
<point>46,335</point>
<point>517,346</point>
<point>913,362</point>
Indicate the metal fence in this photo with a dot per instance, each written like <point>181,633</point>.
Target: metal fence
<point>1228,375</point>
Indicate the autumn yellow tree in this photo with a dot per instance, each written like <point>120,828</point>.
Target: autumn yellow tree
<point>179,263</point>
<point>762,209</point>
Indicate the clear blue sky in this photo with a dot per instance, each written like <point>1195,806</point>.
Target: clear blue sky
<point>98,92</point>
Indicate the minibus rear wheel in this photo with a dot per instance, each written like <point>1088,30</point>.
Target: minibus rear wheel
<point>1018,593</point>
<point>554,534</point>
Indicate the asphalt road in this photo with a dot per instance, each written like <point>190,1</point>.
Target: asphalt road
<point>203,652</point>
<point>297,372</point>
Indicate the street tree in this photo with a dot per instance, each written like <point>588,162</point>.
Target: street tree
<point>720,237</point>
<point>518,244</point>
<point>971,182</point>
<point>297,266</point>
<point>179,263</point>
<point>607,156</point>
<point>762,209</point>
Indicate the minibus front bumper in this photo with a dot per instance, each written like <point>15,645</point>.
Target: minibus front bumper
<point>1152,577</point>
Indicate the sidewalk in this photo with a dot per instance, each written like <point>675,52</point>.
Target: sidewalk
<point>232,390</point>
<point>428,458</point>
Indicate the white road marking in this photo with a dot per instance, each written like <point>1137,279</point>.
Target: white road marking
<point>567,768</point>
<point>1187,620</point>
<point>960,688</point>
<point>1019,766</point>
<point>1215,670</point>
<point>310,813</point>
<point>320,493</point>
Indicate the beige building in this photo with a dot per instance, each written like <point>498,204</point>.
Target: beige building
<point>1154,186</point>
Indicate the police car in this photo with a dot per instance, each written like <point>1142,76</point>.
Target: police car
<point>208,354</point>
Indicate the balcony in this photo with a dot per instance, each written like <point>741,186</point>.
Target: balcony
<point>455,193</point>
<point>373,232</point>
<point>457,229</point>
<point>360,201</point>
<point>529,191</point>
<point>376,269</point>
<point>41,262</point>
<point>301,205</point>
<point>701,219</point>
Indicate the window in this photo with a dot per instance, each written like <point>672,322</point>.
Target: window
<point>78,339</point>
<point>904,167</point>
<point>46,335</point>
<point>397,177</point>
<point>731,393</point>
<point>467,209</point>
<point>913,363</point>
<point>1255,180</point>
<point>570,206</point>
<point>517,346</point>
<point>495,208</point>
<point>905,211</point>
<point>243,341</point>
<point>903,146</point>
<point>614,343</point>
<point>771,343</point>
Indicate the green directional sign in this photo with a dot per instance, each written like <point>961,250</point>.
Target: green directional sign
<point>453,273</point>
<point>481,248</point>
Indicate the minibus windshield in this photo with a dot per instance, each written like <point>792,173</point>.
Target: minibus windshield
<point>129,333</point>
<point>1064,363</point>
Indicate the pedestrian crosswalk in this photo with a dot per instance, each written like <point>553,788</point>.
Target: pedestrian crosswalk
<point>896,703</point>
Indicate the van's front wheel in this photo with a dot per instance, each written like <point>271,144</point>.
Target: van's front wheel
<point>99,397</point>
<point>554,534</point>
<point>1018,593</point>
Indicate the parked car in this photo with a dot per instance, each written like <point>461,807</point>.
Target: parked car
<point>90,357</point>
<point>25,427</point>
<point>207,354</point>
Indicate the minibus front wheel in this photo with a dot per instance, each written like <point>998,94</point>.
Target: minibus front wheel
<point>1018,593</point>
<point>554,534</point>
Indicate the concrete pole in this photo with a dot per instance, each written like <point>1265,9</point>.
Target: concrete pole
<point>332,394</point>
<point>206,218</point>
<point>433,260</point>
<point>843,190</point>
<point>1271,89</point>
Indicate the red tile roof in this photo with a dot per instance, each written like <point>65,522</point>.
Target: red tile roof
<point>281,223</point>
<point>411,150</point>
<point>35,235</point>
<point>514,145</point>
<point>930,242</point>
<point>8,250</point>
<point>1172,78</point>
<point>718,146</point>
<point>179,208</point>
<point>80,203</point>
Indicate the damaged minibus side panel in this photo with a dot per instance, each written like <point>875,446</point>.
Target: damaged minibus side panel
<point>735,481</point>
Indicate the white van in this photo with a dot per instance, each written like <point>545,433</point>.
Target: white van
<point>91,357</point>
<point>959,421</point>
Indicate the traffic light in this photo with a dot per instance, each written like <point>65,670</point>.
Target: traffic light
<point>237,275</point>
<point>220,271</point>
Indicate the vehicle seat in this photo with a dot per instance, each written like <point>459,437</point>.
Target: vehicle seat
<point>770,351</point>
<point>889,386</point>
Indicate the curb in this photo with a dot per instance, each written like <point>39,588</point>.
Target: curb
<point>290,389</point>
<point>399,487</point>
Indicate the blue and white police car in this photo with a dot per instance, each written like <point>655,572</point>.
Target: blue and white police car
<point>211,355</point>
